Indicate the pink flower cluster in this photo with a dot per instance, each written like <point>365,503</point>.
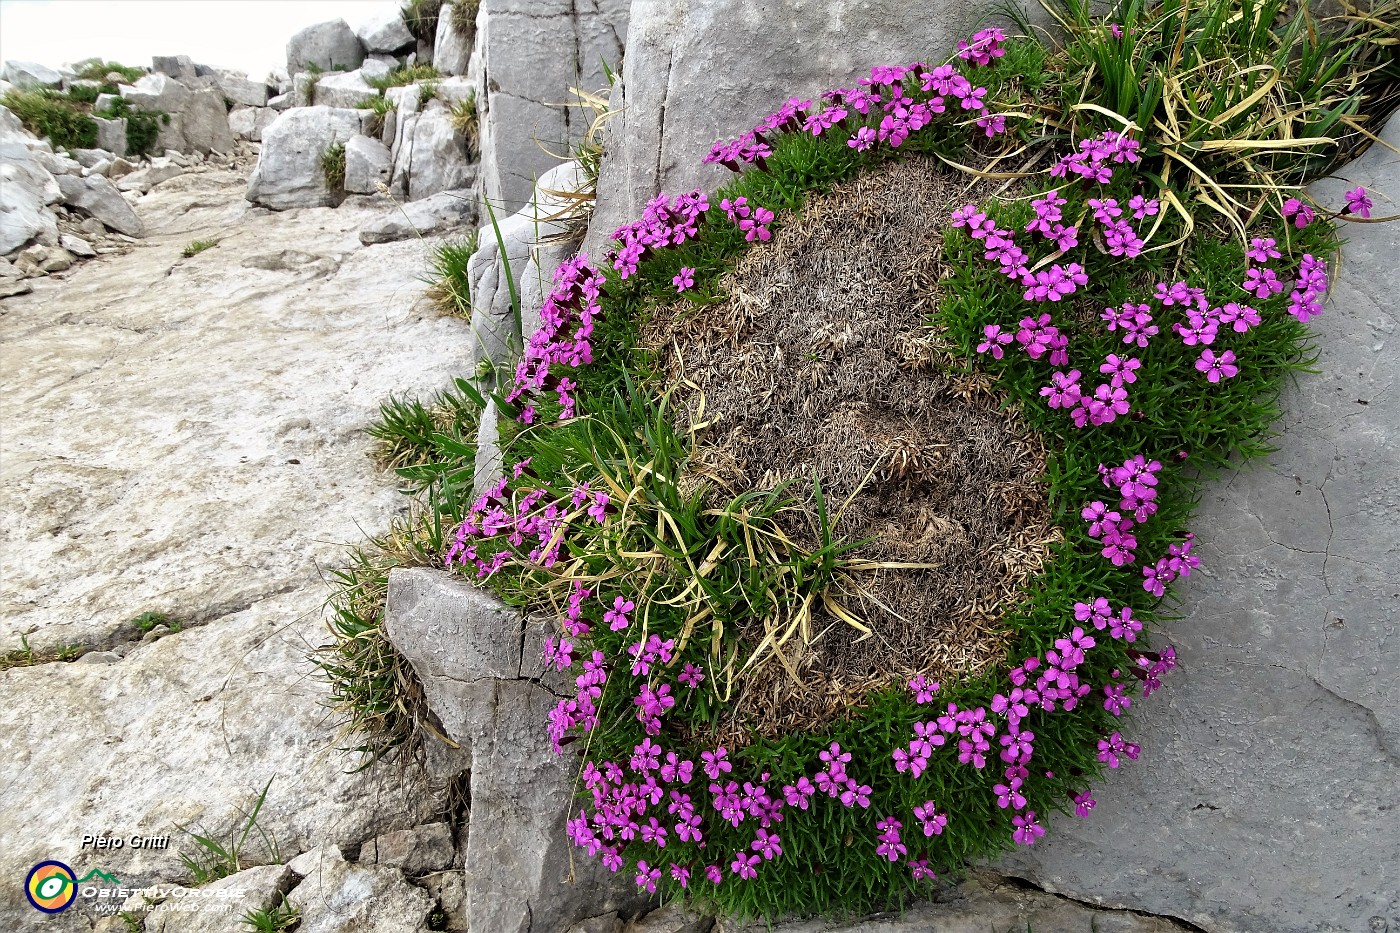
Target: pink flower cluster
<point>1179,562</point>
<point>1095,155</point>
<point>753,221</point>
<point>563,336</point>
<point>1000,247</point>
<point>985,46</point>
<point>1136,482</point>
<point>531,517</point>
<point>1308,289</point>
<point>665,222</point>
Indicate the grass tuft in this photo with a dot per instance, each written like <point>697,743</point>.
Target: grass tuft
<point>195,247</point>
<point>212,858</point>
<point>421,17</point>
<point>333,166</point>
<point>404,75</point>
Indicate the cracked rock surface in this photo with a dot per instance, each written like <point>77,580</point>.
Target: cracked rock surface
<point>1268,793</point>
<point>185,435</point>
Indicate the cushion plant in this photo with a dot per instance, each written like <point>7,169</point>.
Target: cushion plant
<point>855,490</point>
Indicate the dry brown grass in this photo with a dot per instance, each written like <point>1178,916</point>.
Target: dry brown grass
<point>820,363</point>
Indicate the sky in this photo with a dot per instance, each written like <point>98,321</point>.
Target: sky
<point>248,35</point>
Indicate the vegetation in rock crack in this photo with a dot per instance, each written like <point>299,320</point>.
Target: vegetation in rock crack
<point>49,113</point>
<point>95,69</point>
<point>380,107</point>
<point>846,618</point>
<point>278,919</point>
<point>25,656</point>
<point>333,166</point>
<point>195,247</point>
<point>464,16</point>
<point>142,127</point>
<point>149,620</point>
<point>426,92</point>
<point>447,277</point>
<point>467,121</point>
<point>404,75</point>
<point>421,16</point>
<point>211,858</point>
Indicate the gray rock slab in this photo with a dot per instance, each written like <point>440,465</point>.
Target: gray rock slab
<point>384,31</point>
<point>98,197</point>
<point>26,190</point>
<point>432,156</point>
<point>452,46</point>
<point>176,66</point>
<point>111,134</point>
<point>1268,791</point>
<point>673,49</point>
<point>250,122</point>
<point>330,45</point>
<point>367,165</point>
<point>204,123</point>
<point>76,245</point>
<point>222,903</point>
<point>341,897</point>
<point>30,74</point>
<point>155,92</point>
<point>289,173</point>
<point>242,90</point>
<point>348,90</point>
<point>414,851</point>
<point>443,212</point>
<point>530,54</point>
<point>145,179</point>
<point>90,157</point>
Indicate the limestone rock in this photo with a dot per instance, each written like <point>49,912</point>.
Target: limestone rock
<point>98,197</point>
<point>330,45</point>
<point>242,90</point>
<point>338,897</point>
<point>452,48</point>
<point>41,260</point>
<point>250,122</point>
<point>288,173</point>
<point>204,123</point>
<point>1296,555</point>
<point>155,92</point>
<point>674,48</point>
<point>30,74</point>
<point>455,90</point>
<point>349,90</point>
<point>282,102</point>
<point>366,165</point>
<point>414,852</point>
<point>121,167</point>
<point>449,889</point>
<point>111,134</point>
<point>90,157</point>
<point>176,66</point>
<point>440,213</point>
<point>104,102</point>
<point>145,179</point>
<point>76,245</point>
<point>384,31</point>
<point>12,287</point>
<point>373,69</point>
<point>533,51</point>
<point>223,903</point>
<point>25,190</point>
<point>430,155</point>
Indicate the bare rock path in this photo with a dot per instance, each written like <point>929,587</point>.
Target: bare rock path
<point>185,435</point>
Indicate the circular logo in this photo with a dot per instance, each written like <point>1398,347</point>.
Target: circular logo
<point>51,887</point>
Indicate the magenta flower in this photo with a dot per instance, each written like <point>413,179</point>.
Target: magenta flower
<point>1262,249</point>
<point>1083,803</point>
<point>691,675</point>
<point>1124,626</point>
<point>599,509</point>
<point>1358,203</point>
<point>923,689</point>
<point>994,341</point>
<point>1261,283</point>
<point>769,845</point>
<point>992,125</point>
<point>863,139</point>
<point>716,763</point>
<point>1217,367</point>
<point>1063,391</point>
<point>1119,370</point>
<point>1240,317</point>
<point>890,846</point>
<point>1301,213</point>
<point>684,279</point>
<point>1009,794</point>
<point>616,617</point>
<point>714,873</point>
<point>681,874</point>
<point>1098,612</point>
<point>1116,701</point>
<point>1141,208</point>
<point>743,865</point>
<point>933,821</point>
<point>919,870</point>
<point>1027,829</point>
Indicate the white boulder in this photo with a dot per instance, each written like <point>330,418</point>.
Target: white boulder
<point>241,89</point>
<point>30,74</point>
<point>452,47</point>
<point>385,31</point>
<point>98,197</point>
<point>289,173</point>
<point>330,46</point>
<point>250,122</point>
<point>155,92</point>
<point>349,90</point>
<point>367,165</point>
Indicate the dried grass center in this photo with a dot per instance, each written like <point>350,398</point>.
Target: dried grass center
<point>820,363</point>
